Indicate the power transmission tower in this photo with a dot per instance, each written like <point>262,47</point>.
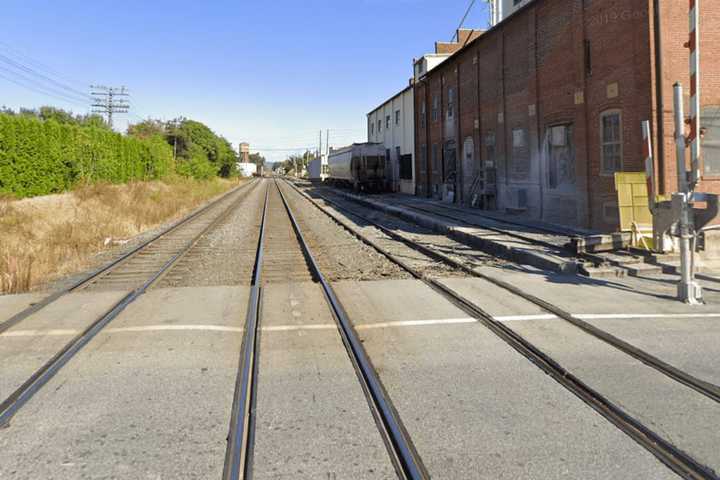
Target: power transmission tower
<point>109,101</point>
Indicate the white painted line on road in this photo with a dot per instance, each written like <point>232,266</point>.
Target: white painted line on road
<point>607,316</point>
<point>630,316</point>
<point>294,328</point>
<point>39,333</point>
<point>367,326</point>
<point>416,323</point>
<point>523,318</point>
<point>161,328</point>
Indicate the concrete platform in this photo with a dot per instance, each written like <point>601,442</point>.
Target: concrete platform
<point>313,420</point>
<point>480,233</point>
<point>473,406</point>
<point>684,417</point>
<point>149,397</point>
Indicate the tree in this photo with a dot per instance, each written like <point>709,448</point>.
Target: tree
<point>195,143</point>
<point>147,129</point>
<point>257,159</point>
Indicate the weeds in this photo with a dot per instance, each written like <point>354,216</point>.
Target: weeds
<point>43,238</point>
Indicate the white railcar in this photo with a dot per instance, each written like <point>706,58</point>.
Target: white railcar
<point>360,166</point>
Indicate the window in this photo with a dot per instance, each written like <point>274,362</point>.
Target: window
<point>406,167</point>
<point>423,159</point>
<point>423,115</point>
<point>588,59</point>
<point>490,150</point>
<point>372,128</point>
<point>561,156</point>
<point>435,107</point>
<point>710,139</point>
<point>397,117</point>
<point>379,126</point>
<point>435,159</point>
<point>611,142</point>
<point>520,165</point>
<point>387,121</point>
<point>451,103</point>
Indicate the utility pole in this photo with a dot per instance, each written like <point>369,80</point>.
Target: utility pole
<point>319,150</point>
<point>109,101</point>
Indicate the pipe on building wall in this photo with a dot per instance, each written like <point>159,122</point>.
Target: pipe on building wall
<point>659,96</point>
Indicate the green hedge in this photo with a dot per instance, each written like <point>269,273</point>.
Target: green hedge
<point>40,157</point>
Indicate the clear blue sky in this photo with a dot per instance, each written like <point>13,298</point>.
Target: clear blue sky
<point>269,72</point>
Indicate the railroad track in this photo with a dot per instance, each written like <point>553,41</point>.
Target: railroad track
<point>282,248</point>
<point>136,271</point>
<point>680,462</point>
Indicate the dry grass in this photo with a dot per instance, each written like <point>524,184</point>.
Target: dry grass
<point>44,238</point>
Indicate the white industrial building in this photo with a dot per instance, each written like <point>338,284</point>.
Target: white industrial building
<point>504,8</point>
<point>318,168</point>
<point>393,125</point>
<point>247,169</point>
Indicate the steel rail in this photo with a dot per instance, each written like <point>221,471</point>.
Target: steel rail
<point>703,387</point>
<point>242,419</point>
<point>677,460</point>
<point>22,315</point>
<point>10,406</point>
<point>404,456</point>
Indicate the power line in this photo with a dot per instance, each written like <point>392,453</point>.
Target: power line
<point>43,92</point>
<point>103,100</point>
<point>462,22</point>
<point>19,54</point>
<point>26,81</point>
<point>25,68</point>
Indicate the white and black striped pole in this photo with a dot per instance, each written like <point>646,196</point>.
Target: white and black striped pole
<point>649,164</point>
<point>693,138</point>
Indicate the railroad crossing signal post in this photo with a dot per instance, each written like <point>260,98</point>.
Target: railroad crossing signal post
<point>688,290</point>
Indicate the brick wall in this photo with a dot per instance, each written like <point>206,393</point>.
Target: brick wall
<point>675,58</point>
<point>562,63</point>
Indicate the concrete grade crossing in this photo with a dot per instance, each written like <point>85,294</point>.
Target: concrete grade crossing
<point>151,395</point>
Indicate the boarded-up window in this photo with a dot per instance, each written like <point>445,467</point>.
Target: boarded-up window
<point>435,158</point>
<point>490,150</point>
<point>423,159</point>
<point>450,155</point>
<point>520,166</point>
<point>560,156</point>
<point>611,142</point>
<point>710,128</point>
<point>451,103</point>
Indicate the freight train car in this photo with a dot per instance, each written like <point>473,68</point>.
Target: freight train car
<point>360,166</point>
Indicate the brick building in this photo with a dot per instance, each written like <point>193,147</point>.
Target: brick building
<point>537,114</point>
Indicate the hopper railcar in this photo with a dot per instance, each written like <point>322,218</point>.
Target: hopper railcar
<point>361,166</point>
